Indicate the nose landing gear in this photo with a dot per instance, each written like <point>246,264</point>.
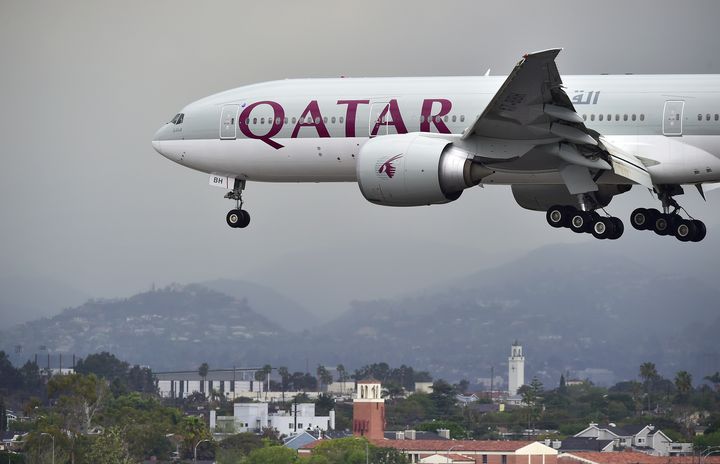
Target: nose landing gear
<point>237,218</point>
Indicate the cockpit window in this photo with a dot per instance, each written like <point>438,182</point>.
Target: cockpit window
<point>178,119</point>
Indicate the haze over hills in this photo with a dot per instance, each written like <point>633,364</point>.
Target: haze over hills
<point>568,309</point>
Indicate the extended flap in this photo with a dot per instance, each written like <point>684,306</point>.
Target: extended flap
<point>627,165</point>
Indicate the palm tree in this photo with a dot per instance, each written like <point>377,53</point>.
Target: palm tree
<point>714,379</point>
<point>342,375</point>
<point>203,372</point>
<point>683,383</point>
<point>648,372</point>
<point>322,374</point>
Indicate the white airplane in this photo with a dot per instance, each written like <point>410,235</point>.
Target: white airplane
<point>566,148</point>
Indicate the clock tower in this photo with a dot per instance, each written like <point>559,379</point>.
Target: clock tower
<point>516,369</point>
<point>369,410</point>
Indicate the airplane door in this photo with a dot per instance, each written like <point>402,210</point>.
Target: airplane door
<point>673,117</point>
<point>228,122</point>
<point>378,120</point>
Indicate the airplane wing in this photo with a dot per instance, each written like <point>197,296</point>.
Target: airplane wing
<point>531,110</point>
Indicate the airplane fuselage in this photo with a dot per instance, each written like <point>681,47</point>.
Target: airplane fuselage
<point>312,130</point>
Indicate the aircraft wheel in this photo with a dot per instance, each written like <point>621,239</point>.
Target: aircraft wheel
<point>234,218</point>
<point>641,219</point>
<point>245,220</point>
<point>662,225</point>
<point>700,230</point>
<point>580,222</point>
<point>619,228</point>
<point>603,228</point>
<point>559,216</point>
<point>684,230</point>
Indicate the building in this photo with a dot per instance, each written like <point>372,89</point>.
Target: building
<point>630,457</point>
<point>369,410</point>
<point>516,369</point>
<point>253,417</point>
<point>423,387</point>
<point>465,451</point>
<point>228,382</point>
<point>644,438</point>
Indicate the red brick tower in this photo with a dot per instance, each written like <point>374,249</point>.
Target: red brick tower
<point>369,410</point>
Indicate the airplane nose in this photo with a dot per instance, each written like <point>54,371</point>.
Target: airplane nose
<point>156,142</point>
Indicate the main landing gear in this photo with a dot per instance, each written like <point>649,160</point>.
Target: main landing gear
<point>601,227</point>
<point>237,218</point>
<point>669,221</point>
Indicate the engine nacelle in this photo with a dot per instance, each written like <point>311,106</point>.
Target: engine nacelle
<point>414,170</point>
<point>541,197</point>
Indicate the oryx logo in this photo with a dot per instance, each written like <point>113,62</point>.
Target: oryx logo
<point>388,168</point>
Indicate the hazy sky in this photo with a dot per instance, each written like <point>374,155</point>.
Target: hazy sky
<point>86,202</point>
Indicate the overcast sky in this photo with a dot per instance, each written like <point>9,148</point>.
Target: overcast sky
<point>86,203</point>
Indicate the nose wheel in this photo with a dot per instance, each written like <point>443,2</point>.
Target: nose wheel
<point>237,218</point>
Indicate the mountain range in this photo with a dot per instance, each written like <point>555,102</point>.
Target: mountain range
<point>572,312</point>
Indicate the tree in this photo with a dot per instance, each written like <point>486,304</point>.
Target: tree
<point>354,451</point>
<point>443,398</point>
<point>3,415</point>
<point>109,448</point>
<point>79,399</point>
<point>714,379</point>
<point>284,374</point>
<point>683,383</point>
<point>273,455</point>
<point>648,372</point>
<point>323,404</point>
<point>462,386</point>
<point>342,373</point>
<point>203,372</point>
<point>324,376</point>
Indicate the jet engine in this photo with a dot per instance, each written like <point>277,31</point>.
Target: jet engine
<point>414,170</point>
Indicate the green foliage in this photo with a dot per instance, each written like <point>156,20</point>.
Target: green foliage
<point>443,399</point>
<point>11,458</point>
<point>245,443</point>
<point>78,399</point>
<point>273,455</point>
<point>323,404</point>
<point>683,384</point>
<point>354,451</point>
<point>203,370</point>
<point>108,448</point>
<point>703,442</point>
<point>119,374</point>
<point>405,376</point>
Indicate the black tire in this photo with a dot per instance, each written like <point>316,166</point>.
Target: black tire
<point>581,222</point>
<point>245,219</point>
<point>603,228</point>
<point>701,231</point>
<point>641,219</point>
<point>662,225</point>
<point>558,216</point>
<point>234,218</point>
<point>684,230</point>
<point>619,228</point>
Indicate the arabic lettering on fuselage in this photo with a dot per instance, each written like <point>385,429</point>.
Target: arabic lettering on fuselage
<point>582,98</point>
<point>432,112</point>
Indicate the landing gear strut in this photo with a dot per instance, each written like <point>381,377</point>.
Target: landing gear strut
<point>669,221</point>
<point>238,217</point>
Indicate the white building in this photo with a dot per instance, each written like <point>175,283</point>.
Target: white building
<point>253,417</point>
<point>226,382</point>
<point>643,438</point>
<point>516,369</point>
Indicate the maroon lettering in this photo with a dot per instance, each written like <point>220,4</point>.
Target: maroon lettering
<point>316,121</point>
<point>426,115</point>
<point>278,119</point>
<point>397,121</point>
<point>351,114</point>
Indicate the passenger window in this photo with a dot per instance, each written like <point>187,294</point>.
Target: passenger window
<point>325,119</point>
<point>286,120</point>
<point>277,121</point>
<point>462,118</point>
<point>592,117</point>
<point>293,120</point>
<point>634,117</point>
<point>262,120</point>
<point>609,117</point>
<point>332,120</point>
<point>625,118</point>
<point>254,120</point>
<point>341,119</point>
<point>584,117</point>
<point>446,118</point>
<point>699,117</point>
<point>600,117</point>
<point>247,122</point>
<point>317,120</point>
<point>707,117</point>
<point>642,117</point>
<point>454,118</point>
<point>617,117</point>
<point>717,116</point>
